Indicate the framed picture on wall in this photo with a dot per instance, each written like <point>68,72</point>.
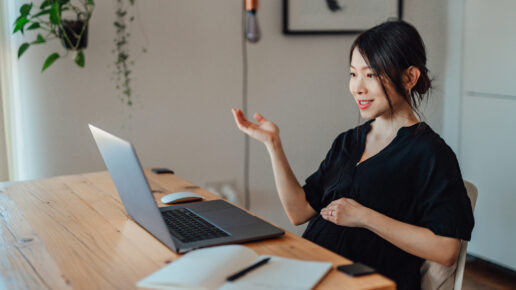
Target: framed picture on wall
<point>337,16</point>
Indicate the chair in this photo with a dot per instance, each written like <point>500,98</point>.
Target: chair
<point>437,276</point>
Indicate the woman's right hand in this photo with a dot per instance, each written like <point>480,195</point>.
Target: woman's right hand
<point>265,131</point>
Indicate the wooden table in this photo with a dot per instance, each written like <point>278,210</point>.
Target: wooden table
<point>73,232</point>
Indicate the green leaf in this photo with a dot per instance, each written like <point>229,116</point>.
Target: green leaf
<point>20,24</point>
<point>40,39</point>
<point>22,49</point>
<point>19,17</point>
<point>25,9</point>
<point>91,3</point>
<point>50,60</point>
<point>46,11</point>
<point>45,4</point>
<point>55,17</point>
<point>121,13</point>
<point>33,26</point>
<point>79,58</point>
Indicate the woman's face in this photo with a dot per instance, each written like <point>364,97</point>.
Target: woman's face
<point>367,90</point>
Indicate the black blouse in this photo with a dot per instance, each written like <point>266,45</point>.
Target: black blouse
<point>415,179</point>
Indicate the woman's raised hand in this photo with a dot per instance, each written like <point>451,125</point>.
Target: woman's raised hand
<point>265,131</point>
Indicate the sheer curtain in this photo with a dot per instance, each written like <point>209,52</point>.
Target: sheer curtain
<point>8,81</point>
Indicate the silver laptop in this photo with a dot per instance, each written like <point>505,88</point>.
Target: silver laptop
<point>181,227</point>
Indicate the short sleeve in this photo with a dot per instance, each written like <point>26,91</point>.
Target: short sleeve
<point>314,184</point>
<point>444,206</point>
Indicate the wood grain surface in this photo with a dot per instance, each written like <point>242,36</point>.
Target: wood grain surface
<point>73,232</point>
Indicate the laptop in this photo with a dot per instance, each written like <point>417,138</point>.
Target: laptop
<point>181,227</point>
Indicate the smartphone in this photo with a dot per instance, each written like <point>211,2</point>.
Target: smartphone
<point>162,170</point>
<point>356,269</point>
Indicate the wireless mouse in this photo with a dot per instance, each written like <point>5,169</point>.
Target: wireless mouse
<point>178,197</point>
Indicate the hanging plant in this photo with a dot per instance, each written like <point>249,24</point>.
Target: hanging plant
<point>50,21</point>
<point>123,61</point>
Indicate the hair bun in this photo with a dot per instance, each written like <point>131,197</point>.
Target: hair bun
<point>424,83</point>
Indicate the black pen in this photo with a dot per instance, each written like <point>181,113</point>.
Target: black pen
<point>247,270</point>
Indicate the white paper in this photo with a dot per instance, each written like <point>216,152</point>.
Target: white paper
<point>208,269</point>
<point>201,269</point>
<point>281,273</point>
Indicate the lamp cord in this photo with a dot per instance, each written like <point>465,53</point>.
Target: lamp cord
<point>244,108</point>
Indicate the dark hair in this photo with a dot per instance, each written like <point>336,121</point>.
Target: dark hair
<point>389,49</point>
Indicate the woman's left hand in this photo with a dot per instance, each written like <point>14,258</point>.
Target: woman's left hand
<point>345,212</point>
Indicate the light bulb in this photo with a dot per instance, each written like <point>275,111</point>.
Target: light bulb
<point>252,29</point>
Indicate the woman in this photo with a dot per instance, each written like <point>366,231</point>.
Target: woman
<point>389,192</point>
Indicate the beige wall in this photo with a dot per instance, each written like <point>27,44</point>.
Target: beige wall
<point>188,81</point>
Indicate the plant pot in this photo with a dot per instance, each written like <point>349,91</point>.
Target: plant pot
<point>76,27</point>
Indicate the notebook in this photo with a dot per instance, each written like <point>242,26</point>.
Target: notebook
<point>208,269</point>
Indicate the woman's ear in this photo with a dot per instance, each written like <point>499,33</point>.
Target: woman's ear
<point>410,77</point>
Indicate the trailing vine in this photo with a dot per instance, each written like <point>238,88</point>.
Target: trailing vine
<point>123,61</point>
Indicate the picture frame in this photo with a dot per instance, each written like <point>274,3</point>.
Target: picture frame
<point>305,17</point>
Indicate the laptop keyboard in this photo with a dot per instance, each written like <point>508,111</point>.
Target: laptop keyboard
<point>188,227</point>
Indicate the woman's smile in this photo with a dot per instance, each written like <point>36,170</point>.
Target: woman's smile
<point>364,104</point>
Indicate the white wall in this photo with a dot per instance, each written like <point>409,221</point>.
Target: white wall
<point>487,125</point>
<point>188,81</point>
<point>452,84</point>
<point>479,117</point>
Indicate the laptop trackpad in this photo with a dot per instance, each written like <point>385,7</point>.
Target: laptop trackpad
<point>229,217</point>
